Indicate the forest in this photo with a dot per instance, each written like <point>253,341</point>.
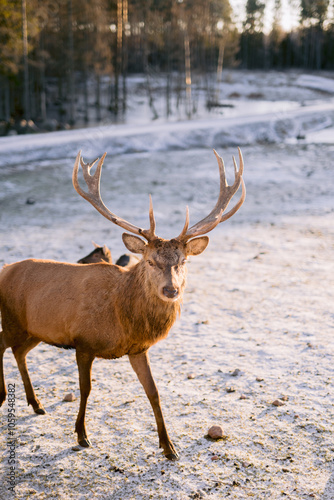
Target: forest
<point>57,54</point>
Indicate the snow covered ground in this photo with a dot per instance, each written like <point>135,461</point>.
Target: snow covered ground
<point>257,320</point>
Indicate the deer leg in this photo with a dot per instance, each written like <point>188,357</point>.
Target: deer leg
<point>20,353</point>
<point>3,391</point>
<point>141,365</point>
<point>84,361</point>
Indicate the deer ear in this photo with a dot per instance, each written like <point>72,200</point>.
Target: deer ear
<point>106,251</point>
<point>197,245</point>
<point>133,243</point>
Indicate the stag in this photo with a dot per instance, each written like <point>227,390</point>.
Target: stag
<point>102,310</point>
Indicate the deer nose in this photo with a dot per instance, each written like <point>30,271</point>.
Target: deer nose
<point>170,292</point>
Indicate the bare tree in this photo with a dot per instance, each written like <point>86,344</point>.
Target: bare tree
<point>25,60</point>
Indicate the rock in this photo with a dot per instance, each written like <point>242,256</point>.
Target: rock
<point>215,457</point>
<point>277,402</point>
<point>69,397</point>
<point>216,432</point>
<point>245,464</point>
<point>236,372</point>
<point>190,376</point>
<point>259,379</point>
<point>243,396</point>
<point>230,389</point>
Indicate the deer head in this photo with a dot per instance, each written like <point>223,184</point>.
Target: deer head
<point>164,260</point>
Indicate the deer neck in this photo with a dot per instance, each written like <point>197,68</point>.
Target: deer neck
<point>143,313</point>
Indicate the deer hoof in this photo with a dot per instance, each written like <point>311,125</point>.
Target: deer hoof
<point>40,410</point>
<point>85,443</point>
<point>37,406</point>
<point>172,456</point>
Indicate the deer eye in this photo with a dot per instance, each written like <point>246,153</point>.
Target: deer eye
<point>150,263</point>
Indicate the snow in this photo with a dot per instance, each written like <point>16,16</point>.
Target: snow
<point>238,130</point>
<point>316,82</point>
<point>260,300</point>
<point>323,136</point>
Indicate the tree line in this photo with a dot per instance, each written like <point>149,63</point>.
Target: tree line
<point>53,51</point>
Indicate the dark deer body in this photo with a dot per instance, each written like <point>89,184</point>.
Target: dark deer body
<point>99,254</point>
<point>103,254</point>
<point>102,310</point>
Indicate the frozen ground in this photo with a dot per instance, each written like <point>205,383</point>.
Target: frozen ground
<point>259,300</point>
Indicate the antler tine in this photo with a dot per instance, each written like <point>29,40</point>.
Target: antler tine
<point>75,177</point>
<point>225,195</point>
<point>222,174</point>
<point>238,205</point>
<point>151,232</point>
<point>243,187</point>
<point>93,180</point>
<point>94,196</point>
<point>241,162</point>
<point>185,227</point>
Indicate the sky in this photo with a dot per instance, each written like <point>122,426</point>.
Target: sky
<point>290,15</point>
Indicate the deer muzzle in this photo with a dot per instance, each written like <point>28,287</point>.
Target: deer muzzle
<point>170,292</point>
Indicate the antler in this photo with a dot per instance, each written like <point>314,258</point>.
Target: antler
<point>94,197</point>
<point>225,195</point>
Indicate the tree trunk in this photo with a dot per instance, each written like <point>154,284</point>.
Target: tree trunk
<point>168,76</point>
<point>124,54</point>
<point>220,69</point>
<point>70,63</point>
<point>86,103</point>
<point>188,75</point>
<point>42,81</point>
<point>26,103</point>
<point>98,98</point>
<point>118,61</point>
